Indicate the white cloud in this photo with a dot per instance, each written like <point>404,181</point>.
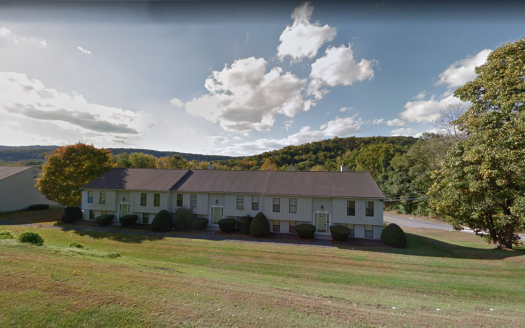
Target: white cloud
<point>237,138</point>
<point>288,124</point>
<point>427,110</point>
<point>303,39</point>
<point>18,39</point>
<point>345,109</point>
<point>420,96</point>
<point>220,139</point>
<point>338,66</point>
<point>314,88</point>
<point>245,97</point>
<point>176,102</point>
<point>395,122</point>
<point>462,71</point>
<point>378,121</point>
<point>84,51</point>
<point>403,132</point>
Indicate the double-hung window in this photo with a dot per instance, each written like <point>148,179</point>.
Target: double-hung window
<point>351,227</point>
<point>143,199</point>
<point>276,204</point>
<point>156,200</point>
<point>102,199</point>
<point>369,232</point>
<point>90,197</point>
<point>292,226</point>
<point>179,200</point>
<point>369,208</point>
<point>276,226</point>
<point>240,201</point>
<point>193,200</point>
<point>293,205</point>
<point>145,218</point>
<point>255,203</point>
<point>350,207</point>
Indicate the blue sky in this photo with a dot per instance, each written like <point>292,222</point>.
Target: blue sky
<point>235,78</point>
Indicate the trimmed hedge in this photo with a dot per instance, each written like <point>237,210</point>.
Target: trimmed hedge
<point>227,225</point>
<point>183,217</point>
<point>340,233</point>
<point>260,225</point>
<point>305,230</point>
<point>244,224</point>
<point>71,214</point>
<point>199,224</point>
<point>128,220</point>
<point>38,207</point>
<point>393,235</point>
<point>162,222</point>
<point>31,237</point>
<point>104,220</point>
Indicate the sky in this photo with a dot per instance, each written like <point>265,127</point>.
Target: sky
<point>237,78</point>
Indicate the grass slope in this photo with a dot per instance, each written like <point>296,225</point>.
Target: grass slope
<point>165,282</point>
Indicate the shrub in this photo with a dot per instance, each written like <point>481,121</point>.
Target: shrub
<point>71,214</point>
<point>339,233</point>
<point>162,222</point>
<point>260,225</point>
<point>38,207</point>
<point>128,220</point>
<point>199,224</point>
<point>393,235</point>
<point>31,237</point>
<point>75,244</point>
<point>104,220</point>
<point>183,217</point>
<point>244,224</point>
<point>227,225</point>
<point>6,234</point>
<point>305,230</point>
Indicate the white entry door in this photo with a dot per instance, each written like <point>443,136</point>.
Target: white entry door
<point>216,214</point>
<point>124,210</point>
<point>322,222</point>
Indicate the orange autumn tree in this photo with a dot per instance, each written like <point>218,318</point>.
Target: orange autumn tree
<point>68,168</point>
<point>270,165</point>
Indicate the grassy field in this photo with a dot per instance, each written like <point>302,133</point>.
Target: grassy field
<point>121,280</point>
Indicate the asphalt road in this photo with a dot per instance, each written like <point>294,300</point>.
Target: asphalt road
<point>413,223</point>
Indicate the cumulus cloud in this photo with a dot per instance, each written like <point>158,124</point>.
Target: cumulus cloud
<point>303,39</point>
<point>237,138</point>
<point>18,39</point>
<point>378,121</point>
<point>245,97</point>
<point>314,89</point>
<point>395,122</point>
<point>84,51</point>
<point>288,124</point>
<point>402,132</point>
<point>463,71</point>
<point>338,66</point>
<point>220,139</point>
<point>345,109</point>
<point>176,102</point>
<point>427,110</point>
<point>22,97</point>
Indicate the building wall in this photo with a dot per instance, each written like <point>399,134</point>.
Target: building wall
<point>110,204</point>
<point>149,208</point>
<point>230,205</point>
<point>304,209</point>
<point>18,191</point>
<point>339,212</point>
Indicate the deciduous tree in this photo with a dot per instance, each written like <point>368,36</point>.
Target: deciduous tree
<point>270,165</point>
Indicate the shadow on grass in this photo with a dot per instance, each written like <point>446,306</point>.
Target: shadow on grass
<point>418,245</point>
<point>131,237</point>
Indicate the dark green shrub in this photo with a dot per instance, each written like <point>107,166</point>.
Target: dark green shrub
<point>244,224</point>
<point>162,222</point>
<point>199,224</point>
<point>38,207</point>
<point>6,234</point>
<point>339,233</point>
<point>71,214</point>
<point>393,235</point>
<point>305,230</point>
<point>75,244</point>
<point>260,225</point>
<point>227,225</point>
<point>128,220</point>
<point>104,220</point>
<point>31,237</point>
<point>183,217</point>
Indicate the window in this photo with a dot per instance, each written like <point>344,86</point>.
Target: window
<point>255,203</point>
<point>193,200</point>
<point>369,208</point>
<point>179,200</point>
<point>90,197</point>
<point>292,226</point>
<point>350,207</point>
<point>145,218</point>
<point>276,204</point>
<point>293,205</point>
<point>156,200</point>
<point>276,226</point>
<point>240,201</point>
<point>143,199</point>
<point>351,227</point>
<point>369,232</point>
<point>103,212</point>
<point>91,215</point>
<point>102,197</point>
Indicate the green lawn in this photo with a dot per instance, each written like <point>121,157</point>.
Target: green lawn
<point>158,282</point>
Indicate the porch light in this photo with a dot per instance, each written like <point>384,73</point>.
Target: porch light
<point>322,207</point>
<point>123,199</point>
<point>216,202</point>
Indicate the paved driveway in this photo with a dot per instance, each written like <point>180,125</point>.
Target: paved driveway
<point>413,223</point>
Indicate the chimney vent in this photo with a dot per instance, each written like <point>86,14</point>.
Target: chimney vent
<point>210,166</point>
<point>292,167</point>
<point>343,168</point>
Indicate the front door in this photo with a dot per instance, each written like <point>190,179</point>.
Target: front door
<point>124,209</point>
<point>322,224</point>
<point>216,214</point>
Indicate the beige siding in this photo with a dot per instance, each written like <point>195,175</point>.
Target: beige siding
<point>110,204</point>
<point>339,212</point>
<point>18,191</point>
<point>230,205</point>
<point>135,206</point>
<point>304,209</point>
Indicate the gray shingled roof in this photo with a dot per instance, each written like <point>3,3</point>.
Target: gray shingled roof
<point>7,171</point>
<point>249,182</point>
<point>137,179</point>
